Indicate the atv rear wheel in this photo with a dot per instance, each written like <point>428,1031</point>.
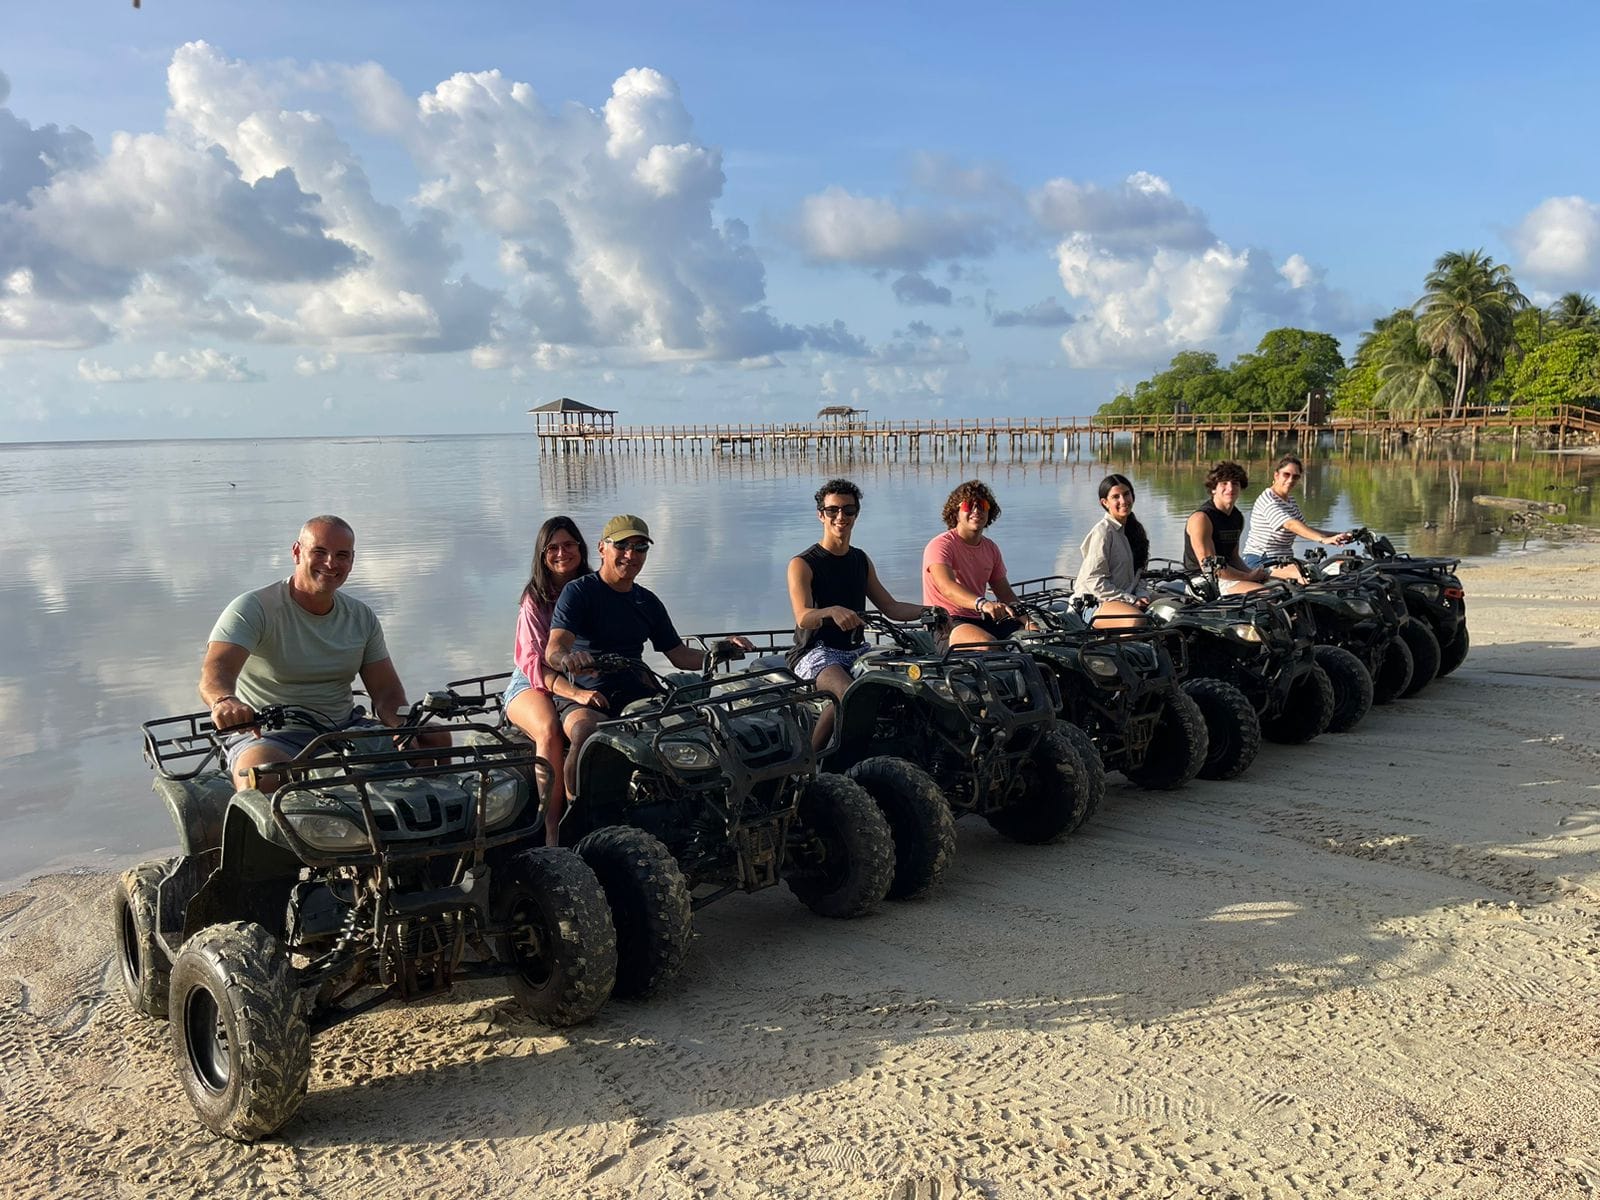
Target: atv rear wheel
<point>842,860</point>
<point>146,974</point>
<point>1092,783</point>
<point>558,935</point>
<point>1306,711</point>
<point>649,900</point>
<point>1394,672</point>
<point>1233,730</point>
<point>1454,652</point>
<point>1425,655</point>
<point>1352,687</point>
<point>1054,800</point>
<point>920,821</point>
<point>1177,749</point>
<point>243,1049</point>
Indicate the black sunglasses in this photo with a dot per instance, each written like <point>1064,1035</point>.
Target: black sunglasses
<point>840,510</point>
<point>638,547</point>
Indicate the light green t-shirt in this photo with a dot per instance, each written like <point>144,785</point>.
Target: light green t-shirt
<point>297,657</point>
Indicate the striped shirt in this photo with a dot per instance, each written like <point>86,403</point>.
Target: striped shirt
<point>1267,536</point>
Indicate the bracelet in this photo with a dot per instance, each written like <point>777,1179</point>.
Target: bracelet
<point>977,605</point>
<point>220,699</point>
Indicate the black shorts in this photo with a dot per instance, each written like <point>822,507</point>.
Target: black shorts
<point>619,691</point>
<point>998,630</point>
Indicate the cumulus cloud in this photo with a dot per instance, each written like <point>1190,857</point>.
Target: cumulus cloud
<point>837,226</point>
<point>1151,278</point>
<point>307,366</point>
<point>1558,243</point>
<point>194,366</point>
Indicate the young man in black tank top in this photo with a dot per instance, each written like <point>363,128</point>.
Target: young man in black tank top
<point>1215,528</point>
<point>829,584</point>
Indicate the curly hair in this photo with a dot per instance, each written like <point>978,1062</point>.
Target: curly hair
<point>1226,471</point>
<point>837,487</point>
<point>972,489</point>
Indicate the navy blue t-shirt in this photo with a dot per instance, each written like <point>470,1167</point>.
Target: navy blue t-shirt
<point>603,620</point>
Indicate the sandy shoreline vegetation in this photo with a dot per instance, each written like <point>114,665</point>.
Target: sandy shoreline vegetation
<point>1370,967</point>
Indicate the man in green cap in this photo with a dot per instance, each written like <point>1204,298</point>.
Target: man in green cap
<point>606,612</point>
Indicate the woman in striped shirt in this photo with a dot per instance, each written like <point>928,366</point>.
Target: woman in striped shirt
<point>1276,520</point>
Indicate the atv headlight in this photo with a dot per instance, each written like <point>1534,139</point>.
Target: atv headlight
<point>1362,608</point>
<point>1428,591</point>
<point>328,832</point>
<point>684,755</point>
<point>1101,665</point>
<point>503,802</point>
<point>1245,632</point>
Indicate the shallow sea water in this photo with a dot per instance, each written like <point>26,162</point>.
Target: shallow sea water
<point>121,555</point>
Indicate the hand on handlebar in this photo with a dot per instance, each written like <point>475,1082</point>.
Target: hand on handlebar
<point>576,662</point>
<point>996,610</point>
<point>231,713</point>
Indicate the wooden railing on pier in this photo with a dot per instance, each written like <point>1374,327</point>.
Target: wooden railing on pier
<point>1044,433</point>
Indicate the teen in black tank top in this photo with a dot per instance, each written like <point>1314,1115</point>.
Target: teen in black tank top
<point>837,579</point>
<point>1226,529</point>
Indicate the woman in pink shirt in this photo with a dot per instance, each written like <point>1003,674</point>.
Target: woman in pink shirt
<point>559,556</point>
<point>961,565</point>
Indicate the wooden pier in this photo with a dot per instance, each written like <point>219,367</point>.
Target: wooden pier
<point>987,437</point>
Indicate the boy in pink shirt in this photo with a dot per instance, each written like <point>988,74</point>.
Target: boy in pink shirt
<point>961,565</point>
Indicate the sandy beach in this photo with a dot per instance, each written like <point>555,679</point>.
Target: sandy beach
<point>1371,967</point>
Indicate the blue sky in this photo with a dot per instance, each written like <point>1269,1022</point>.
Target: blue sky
<point>357,217</point>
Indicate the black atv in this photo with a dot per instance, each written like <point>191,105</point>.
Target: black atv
<point>709,787</point>
<point>1260,641</point>
<point>363,878</point>
<point>979,720</point>
<point>1434,595</point>
<point>1363,611</point>
<point>1129,689</point>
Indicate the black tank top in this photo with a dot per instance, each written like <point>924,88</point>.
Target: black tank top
<point>836,579</point>
<point>1225,530</point>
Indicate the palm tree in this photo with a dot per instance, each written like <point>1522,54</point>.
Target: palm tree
<point>1413,382</point>
<point>1575,310</point>
<point>1466,317</point>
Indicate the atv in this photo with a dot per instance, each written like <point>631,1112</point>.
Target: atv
<point>1259,641</point>
<point>1363,610</point>
<point>1434,595</point>
<point>708,787</point>
<point>1128,689</point>
<point>980,720</point>
<point>365,877</point>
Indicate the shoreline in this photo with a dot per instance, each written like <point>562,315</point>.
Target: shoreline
<point>1368,967</point>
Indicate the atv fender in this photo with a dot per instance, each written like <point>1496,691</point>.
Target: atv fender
<point>197,807</point>
<point>256,873</point>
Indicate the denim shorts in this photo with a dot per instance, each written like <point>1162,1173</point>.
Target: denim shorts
<point>519,683</point>
<point>1254,560</point>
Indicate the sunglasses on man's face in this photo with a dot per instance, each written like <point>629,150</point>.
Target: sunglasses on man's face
<point>840,510</point>
<point>640,547</point>
<point>977,506</point>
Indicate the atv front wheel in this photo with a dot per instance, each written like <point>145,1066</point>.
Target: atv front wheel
<point>1306,711</point>
<point>1177,749</point>
<point>145,970</point>
<point>841,860</point>
<point>243,1049</point>
<point>1054,801</point>
<point>1394,672</point>
<point>1233,730</point>
<point>1454,652</point>
<point>1425,655</point>
<point>650,908</point>
<point>559,935</point>
<point>920,821</point>
<point>1352,687</point>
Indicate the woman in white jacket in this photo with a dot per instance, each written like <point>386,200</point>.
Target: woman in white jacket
<point>1114,554</point>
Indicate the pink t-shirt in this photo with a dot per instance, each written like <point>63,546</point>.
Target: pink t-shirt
<point>975,568</point>
<point>533,631</point>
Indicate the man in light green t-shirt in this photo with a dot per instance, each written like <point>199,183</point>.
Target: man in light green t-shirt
<point>300,642</point>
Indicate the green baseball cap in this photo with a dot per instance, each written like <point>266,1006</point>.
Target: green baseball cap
<point>624,526</point>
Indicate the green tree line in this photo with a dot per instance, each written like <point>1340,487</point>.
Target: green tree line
<point>1472,338</point>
